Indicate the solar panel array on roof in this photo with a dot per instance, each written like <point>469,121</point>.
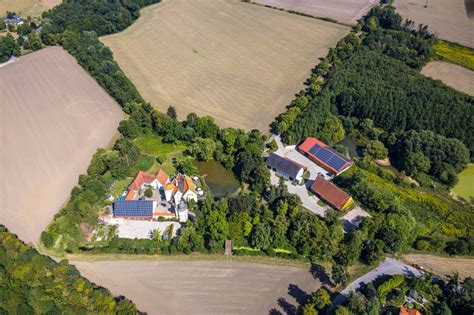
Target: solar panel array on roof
<point>314,149</point>
<point>133,208</point>
<point>329,156</point>
<point>324,155</point>
<point>336,162</point>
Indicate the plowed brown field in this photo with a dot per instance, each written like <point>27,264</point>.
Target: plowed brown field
<point>53,116</point>
<point>200,287</point>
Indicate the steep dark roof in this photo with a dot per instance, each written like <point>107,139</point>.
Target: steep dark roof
<point>330,192</point>
<point>133,208</point>
<point>283,165</point>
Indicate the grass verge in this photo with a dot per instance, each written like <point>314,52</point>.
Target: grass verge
<point>455,53</point>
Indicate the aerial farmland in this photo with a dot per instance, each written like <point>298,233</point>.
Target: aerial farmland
<point>27,7</point>
<point>203,287</point>
<point>344,11</point>
<point>240,63</point>
<point>448,19</point>
<point>455,76</point>
<point>53,118</point>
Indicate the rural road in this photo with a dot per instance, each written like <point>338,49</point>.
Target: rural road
<point>389,266</point>
<point>203,287</point>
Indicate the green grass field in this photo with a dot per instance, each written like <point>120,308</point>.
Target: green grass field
<point>455,53</point>
<point>153,146</point>
<point>465,187</point>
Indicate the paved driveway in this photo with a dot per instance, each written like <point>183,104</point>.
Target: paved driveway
<point>310,202</point>
<point>353,218</point>
<point>389,266</point>
<point>291,153</point>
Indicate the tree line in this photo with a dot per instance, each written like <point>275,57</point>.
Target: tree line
<point>31,283</point>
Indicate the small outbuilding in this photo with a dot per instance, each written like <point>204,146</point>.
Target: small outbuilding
<point>331,194</point>
<point>286,167</point>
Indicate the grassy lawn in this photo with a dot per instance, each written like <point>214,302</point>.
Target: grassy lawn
<point>153,146</point>
<point>455,53</point>
<point>465,187</point>
<point>144,163</point>
<point>119,187</point>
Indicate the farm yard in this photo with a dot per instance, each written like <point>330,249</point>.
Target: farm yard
<point>53,118</point>
<point>345,11</point>
<point>203,287</point>
<point>455,76</point>
<point>238,62</point>
<point>27,7</point>
<point>449,19</point>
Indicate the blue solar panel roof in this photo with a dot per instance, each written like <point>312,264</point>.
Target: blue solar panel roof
<point>336,162</point>
<point>314,149</point>
<point>324,155</point>
<point>133,208</point>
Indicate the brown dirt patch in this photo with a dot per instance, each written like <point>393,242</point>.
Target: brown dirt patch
<point>53,118</point>
<point>200,287</point>
<point>443,265</point>
<point>345,11</point>
<point>240,63</point>
<point>455,76</point>
<point>449,19</point>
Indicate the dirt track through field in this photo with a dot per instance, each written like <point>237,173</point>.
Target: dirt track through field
<point>448,18</point>
<point>455,76</point>
<point>53,118</point>
<point>200,287</point>
<point>238,62</point>
<point>345,11</point>
<point>443,266</point>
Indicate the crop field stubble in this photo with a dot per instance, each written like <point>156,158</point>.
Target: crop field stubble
<point>203,287</point>
<point>344,11</point>
<point>455,76</point>
<point>450,19</point>
<point>238,62</point>
<point>53,118</point>
<point>27,7</point>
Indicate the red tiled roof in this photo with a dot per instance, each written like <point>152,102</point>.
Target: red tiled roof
<point>162,177</point>
<point>330,192</point>
<point>411,311</point>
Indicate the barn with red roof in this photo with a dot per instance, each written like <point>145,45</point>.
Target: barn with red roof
<point>325,156</point>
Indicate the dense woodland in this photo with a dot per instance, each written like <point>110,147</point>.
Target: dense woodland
<point>31,283</point>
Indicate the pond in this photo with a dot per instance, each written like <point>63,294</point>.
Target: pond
<point>221,181</point>
<point>352,148</point>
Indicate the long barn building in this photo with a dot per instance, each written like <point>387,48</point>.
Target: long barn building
<point>325,156</point>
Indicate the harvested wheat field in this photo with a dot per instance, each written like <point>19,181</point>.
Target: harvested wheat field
<point>238,62</point>
<point>53,118</point>
<point>443,266</point>
<point>27,7</point>
<point>449,19</point>
<point>345,11</point>
<point>455,76</point>
<point>203,287</point>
